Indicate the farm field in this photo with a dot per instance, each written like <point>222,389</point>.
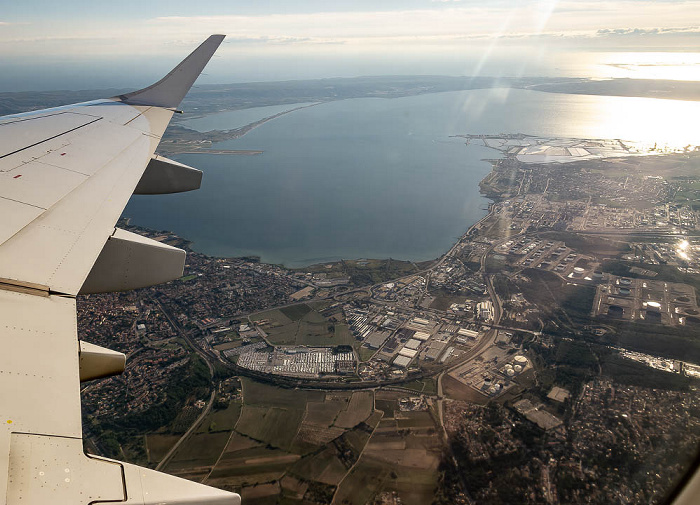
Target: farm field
<point>359,409</point>
<point>291,446</point>
<point>303,325</point>
<point>228,345</point>
<point>387,402</point>
<point>454,389</point>
<point>158,445</point>
<point>365,353</point>
<point>221,420</point>
<point>274,426</point>
<point>323,414</point>
<point>257,393</point>
<point>426,386</point>
<point>199,450</point>
<point>401,459</point>
<point>284,433</point>
<point>296,312</point>
<point>330,465</point>
<point>414,420</point>
<point>250,466</point>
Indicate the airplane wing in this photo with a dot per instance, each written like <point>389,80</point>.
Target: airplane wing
<point>66,174</point>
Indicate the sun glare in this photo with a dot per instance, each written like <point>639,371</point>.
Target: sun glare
<point>656,65</point>
<point>653,124</point>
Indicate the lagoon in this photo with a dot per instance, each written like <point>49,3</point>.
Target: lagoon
<point>377,178</point>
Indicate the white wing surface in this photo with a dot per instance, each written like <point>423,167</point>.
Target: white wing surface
<point>66,174</point>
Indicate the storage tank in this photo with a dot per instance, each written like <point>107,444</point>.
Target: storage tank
<point>655,306</point>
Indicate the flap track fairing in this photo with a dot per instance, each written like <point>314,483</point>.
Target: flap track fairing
<point>164,176</point>
<point>131,261</point>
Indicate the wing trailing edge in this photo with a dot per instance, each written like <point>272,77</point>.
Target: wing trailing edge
<point>171,89</point>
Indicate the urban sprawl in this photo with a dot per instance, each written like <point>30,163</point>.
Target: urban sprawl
<point>550,355</point>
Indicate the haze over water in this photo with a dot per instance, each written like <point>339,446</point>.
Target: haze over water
<point>379,178</point>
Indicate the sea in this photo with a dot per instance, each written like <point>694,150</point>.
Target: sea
<point>375,177</point>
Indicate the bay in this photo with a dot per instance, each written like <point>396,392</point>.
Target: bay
<point>379,178</point>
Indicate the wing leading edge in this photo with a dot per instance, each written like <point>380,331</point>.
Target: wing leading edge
<point>66,174</point>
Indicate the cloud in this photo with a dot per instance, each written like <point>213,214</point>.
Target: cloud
<point>452,25</point>
<point>648,31</point>
<point>492,19</point>
<point>278,40</point>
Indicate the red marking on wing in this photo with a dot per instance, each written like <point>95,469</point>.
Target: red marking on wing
<point>17,176</point>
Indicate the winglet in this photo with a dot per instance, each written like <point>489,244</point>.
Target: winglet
<point>171,89</point>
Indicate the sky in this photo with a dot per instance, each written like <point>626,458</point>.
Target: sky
<point>75,44</point>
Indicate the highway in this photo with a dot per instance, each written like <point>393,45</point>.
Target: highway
<point>205,411</point>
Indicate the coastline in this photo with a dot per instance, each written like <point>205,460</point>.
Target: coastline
<point>179,139</point>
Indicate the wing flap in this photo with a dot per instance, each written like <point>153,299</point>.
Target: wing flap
<point>39,364</point>
<point>148,487</point>
<point>15,216</point>
<point>46,469</point>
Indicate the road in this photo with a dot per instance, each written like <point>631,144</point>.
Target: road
<point>206,357</point>
<point>486,341</point>
<point>205,411</point>
<point>335,494</point>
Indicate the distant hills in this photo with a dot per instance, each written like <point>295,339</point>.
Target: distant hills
<point>212,98</point>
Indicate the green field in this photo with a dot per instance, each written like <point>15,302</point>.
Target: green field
<point>330,464</point>
<point>266,443</point>
<point>296,312</point>
<point>367,271</point>
<point>200,449</point>
<point>365,353</point>
<point>221,420</point>
<point>228,345</point>
<point>158,446</point>
<point>313,466</point>
<point>302,325</point>
<point>276,317</point>
<point>359,409</point>
<point>387,406</point>
<point>403,460</point>
<point>258,393</point>
<point>274,426</point>
<point>427,386</point>
<point>594,246</point>
<point>444,300</point>
<point>363,483</point>
<point>415,420</point>
<point>547,290</point>
<point>323,413</point>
